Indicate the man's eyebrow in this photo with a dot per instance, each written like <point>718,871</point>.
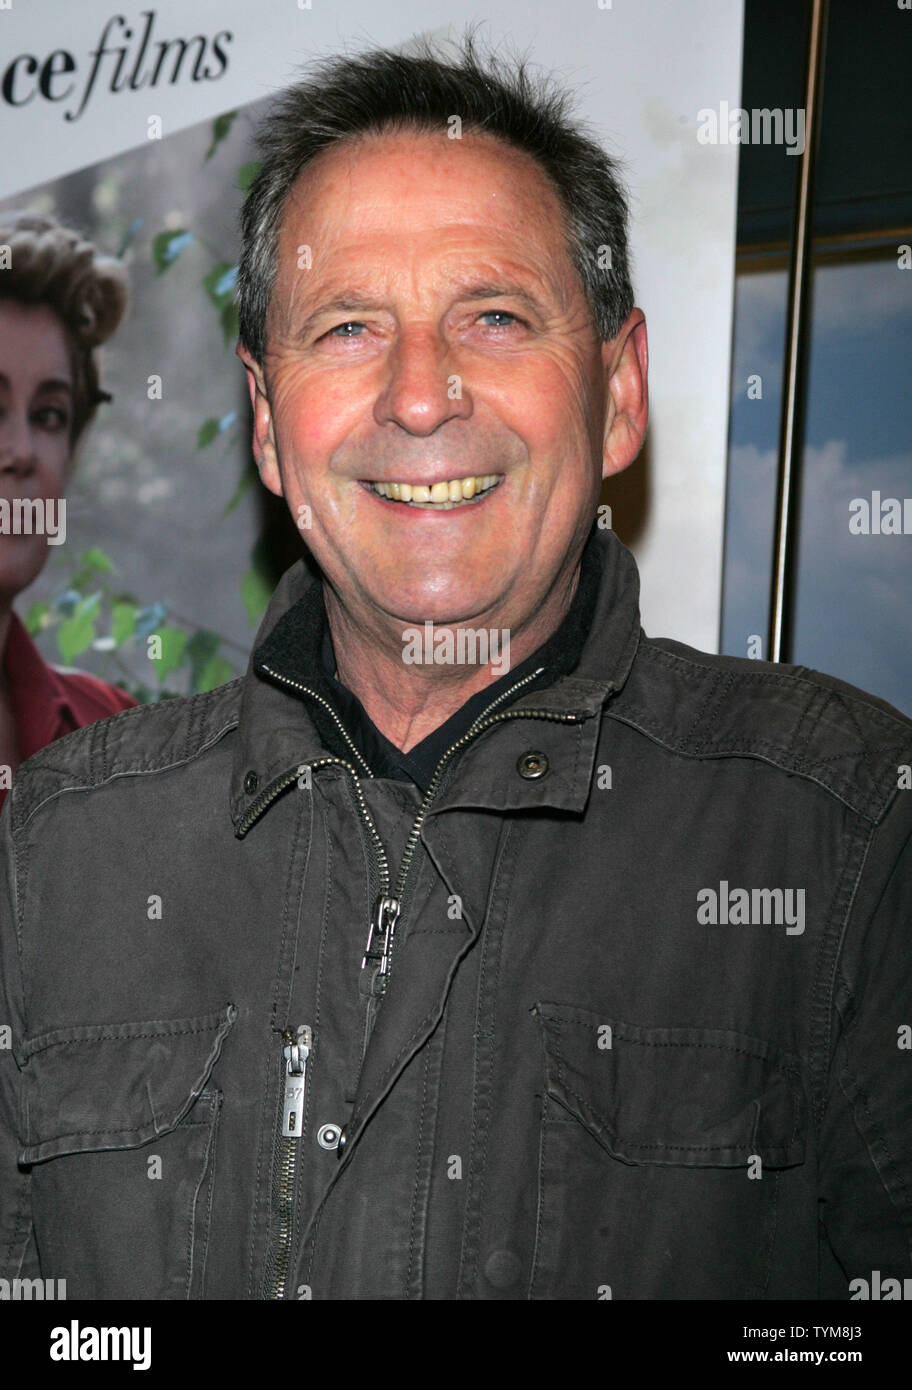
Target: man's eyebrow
<point>339,304</point>
<point>503,289</point>
<point>356,303</point>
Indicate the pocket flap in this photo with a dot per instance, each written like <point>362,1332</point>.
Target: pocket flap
<point>695,1096</point>
<point>114,1086</point>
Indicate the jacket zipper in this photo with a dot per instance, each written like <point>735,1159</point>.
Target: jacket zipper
<point>379,947</point>
<point>388,905</point>
<point>296,1050</point>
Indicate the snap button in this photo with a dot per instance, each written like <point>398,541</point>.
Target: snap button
<point>502,1269</point>
<point>329,1136</point>
<point>251,782</point>
<point>343,1139</point>
<point>532,764</point>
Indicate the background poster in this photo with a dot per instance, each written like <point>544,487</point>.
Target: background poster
<point>135,126</point>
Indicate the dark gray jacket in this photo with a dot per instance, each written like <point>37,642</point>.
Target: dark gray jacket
<point>641,1030</point>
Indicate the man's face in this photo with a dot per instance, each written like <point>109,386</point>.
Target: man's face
<point>428,331</point>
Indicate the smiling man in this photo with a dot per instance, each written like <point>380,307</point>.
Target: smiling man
<point>403,977</point>
<point>435,399</point>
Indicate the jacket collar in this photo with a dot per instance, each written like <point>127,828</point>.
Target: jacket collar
<point>280,728</point>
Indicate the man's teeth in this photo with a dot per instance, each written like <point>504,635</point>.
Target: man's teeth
<point>441,495</point>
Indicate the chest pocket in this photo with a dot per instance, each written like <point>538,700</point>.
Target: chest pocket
<point>119,1125</point>
<point>661,1156</point>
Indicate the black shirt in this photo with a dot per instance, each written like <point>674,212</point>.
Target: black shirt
<point>558,656</point>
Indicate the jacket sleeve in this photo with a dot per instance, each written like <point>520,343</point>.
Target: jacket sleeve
<point>18,1258</point>
<point>865,1181</point>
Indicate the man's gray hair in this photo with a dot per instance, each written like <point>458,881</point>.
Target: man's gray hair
<point>381,90</point>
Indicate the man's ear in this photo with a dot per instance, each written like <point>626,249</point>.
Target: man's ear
<point>264,446</point>
<point>625,361</point>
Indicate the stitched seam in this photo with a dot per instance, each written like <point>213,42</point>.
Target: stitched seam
<point>673,1148</point>
<point>213,1148</point>
<point>824,1008</point>
<point>194,1198</point>
<point>722,684</point>
<point>137,769</point>
<point>542,1195</point>
<point>779,677</point>
<point>384,1076</point>
<point>121,1037</point>
<point>157,1133</point>
<point>505,860</point>
<point>417,1182</point>
<point>858,1097</point>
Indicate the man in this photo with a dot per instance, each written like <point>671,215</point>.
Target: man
<point>385,974</point>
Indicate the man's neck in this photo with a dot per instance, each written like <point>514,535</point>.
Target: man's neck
<point>407,702</point>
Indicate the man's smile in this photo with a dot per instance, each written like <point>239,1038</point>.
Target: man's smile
<point>441,496</point>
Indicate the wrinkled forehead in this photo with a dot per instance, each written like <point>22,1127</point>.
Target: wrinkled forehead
<point>417,198</point>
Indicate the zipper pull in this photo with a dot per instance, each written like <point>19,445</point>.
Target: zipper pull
<point>393,908</point>
<point>296,1051</point>
<point>383,921</point>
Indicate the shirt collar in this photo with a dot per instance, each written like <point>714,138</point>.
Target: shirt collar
<point>287,718</point>
<point>554,658</point>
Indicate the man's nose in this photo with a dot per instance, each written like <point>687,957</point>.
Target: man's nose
<point>422,388</point>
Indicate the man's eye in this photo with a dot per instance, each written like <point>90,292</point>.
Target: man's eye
<point>499,314</point>
<point>342,330</point>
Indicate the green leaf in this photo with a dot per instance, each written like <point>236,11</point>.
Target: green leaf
<point>229,319</point>
<point>74,635</point>
<point>91,564</point>
<point>218,671</point>
<point>167,246</point>
<point>88,607</point>
<point>37,618</point>
<point>220,283</point>
<point>173,642</point>
<point>211,428</point>
<point>201,648</point>
<point>220,128</point>
<point>247,173</point>
<point>246,482</point>
<point>208,431</point>
<point>96,559</point>
<point>123,622</point>
<point>129,237</point>
<point>255,593</point>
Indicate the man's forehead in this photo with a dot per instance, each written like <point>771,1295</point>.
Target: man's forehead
<point>423,176</point>
<point>479,213</point>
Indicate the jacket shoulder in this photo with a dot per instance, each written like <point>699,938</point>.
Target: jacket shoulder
<point>144,738</point>
<point>805,722</point>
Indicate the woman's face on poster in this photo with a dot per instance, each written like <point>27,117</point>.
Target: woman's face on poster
<point>36,412</point>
